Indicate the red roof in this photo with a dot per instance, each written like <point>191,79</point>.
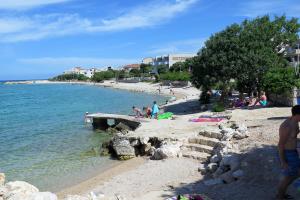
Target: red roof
<point>132,66</point>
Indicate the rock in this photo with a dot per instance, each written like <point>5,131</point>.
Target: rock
<point>134,142</point>
<point>215,159</point>
<point>3,191</point>
<point>42,196</point>
<point>166,151</point>
<point>151,151</point>
<point>202,169</point>
<point>122,147</point>
<point>76,197</point>
<point>238,174</point>
<point>19,190</point>
<point>212,167</point>
<point>232,161</point>
<point>212,182</point>
<point>218,172</point>
<point>239,136</point>
<point>227,177</point>
<point>2,179</point>
<point>123,127</point>
<point>144,140</point>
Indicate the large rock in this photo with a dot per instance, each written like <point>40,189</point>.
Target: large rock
<point>2,179</point>
<point>232,161</point>
<point>42,196</point>
<point>122,147</point>
<point>212,167</point>
<point>19,190</point>
<point>166,151</point>
<point>215,158</point>
<point>238,174</point>
<point>144,140</point>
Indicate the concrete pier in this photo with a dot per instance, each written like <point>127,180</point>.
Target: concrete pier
<point>103,121</point>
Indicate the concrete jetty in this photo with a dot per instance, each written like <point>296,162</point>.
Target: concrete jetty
<point>103,121</point>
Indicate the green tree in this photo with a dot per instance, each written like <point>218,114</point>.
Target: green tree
<point>179,67</point>
<point>145,68</point>
<point>161,69</point>
<point>135,72</point>
<point>244,53</point>
<point>98,77</point>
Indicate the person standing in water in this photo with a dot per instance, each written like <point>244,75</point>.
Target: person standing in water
<point>289,158</point>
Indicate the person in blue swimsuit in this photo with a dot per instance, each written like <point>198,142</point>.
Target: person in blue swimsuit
<point>155,110</point>
<point>287,147</point>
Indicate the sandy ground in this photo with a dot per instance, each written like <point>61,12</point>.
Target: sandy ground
<point>153,180</point>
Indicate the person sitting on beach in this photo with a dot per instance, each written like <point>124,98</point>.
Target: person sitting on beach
<point>252,100</point>
<point>287,148</point>
<point>137,112</point>
<point>155,110</point>
<point>262,101</point>
<point>240,102</point>
<point>147,111</point>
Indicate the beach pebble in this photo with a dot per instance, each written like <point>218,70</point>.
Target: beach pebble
<point>2,179</point>
<point>212,182</point>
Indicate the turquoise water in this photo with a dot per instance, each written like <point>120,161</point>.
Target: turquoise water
<point>43,138</point>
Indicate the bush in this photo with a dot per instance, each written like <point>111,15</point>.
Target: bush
<point>105,75</point>
<point>176,76</point>
<point>280,80</point>
<point>70,77</point>
<point>218,107</point>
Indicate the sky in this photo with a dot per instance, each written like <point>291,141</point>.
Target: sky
<point>42,38</point>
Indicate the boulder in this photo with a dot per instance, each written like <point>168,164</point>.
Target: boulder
<point>166,151</point>
<point>232,161</point>
<point>238,174</point>
<point>2,179</point>
<point>3,191</point>
<point>123,128</point>
<point>212,182</point>
<point>227,177</point>
<point>144,140</point>
<point>135,142</point>
<point>212,167</point>
<point>122,147</point>
<point>19,190</point>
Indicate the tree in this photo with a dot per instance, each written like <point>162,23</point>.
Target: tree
<point>98,77</point>
<point>244,53</point>
<point>135,72</point>
<point>179,67</point>
<point>161,69</point>
<point>145,68</point>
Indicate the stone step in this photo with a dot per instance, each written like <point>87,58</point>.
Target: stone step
<point>213,133</point>
<point>196,155</point>
<point>199,148</point>
<point>204,141</point>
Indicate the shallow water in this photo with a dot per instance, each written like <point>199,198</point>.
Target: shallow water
<point>43,139</point>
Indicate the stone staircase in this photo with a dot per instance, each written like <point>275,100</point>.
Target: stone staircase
<point>200,147</point>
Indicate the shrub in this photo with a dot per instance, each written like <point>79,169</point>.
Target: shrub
<point>176,76</point>
<point>218,107</point>
<point>69,77</point>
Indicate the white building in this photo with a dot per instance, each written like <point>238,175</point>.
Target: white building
<point>86,72</point>
<point>171,59</point>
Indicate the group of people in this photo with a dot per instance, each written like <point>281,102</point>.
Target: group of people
<point>251,101</point>
<point>147,111</point>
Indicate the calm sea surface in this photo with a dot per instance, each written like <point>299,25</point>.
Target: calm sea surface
<point>43,138</point>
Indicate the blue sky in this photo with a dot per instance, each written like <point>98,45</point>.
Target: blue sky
<point>42,38</point>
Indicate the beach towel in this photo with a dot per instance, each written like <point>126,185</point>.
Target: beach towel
<point>166,115</point>
<point>207,119</point>
<point>190,197</point>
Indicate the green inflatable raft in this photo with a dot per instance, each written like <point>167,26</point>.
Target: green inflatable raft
<point>166,115</point>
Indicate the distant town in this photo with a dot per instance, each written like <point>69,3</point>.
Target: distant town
<point>167,60</point>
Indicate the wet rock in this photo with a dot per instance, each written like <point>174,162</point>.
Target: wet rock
<point>212,182</point>
<point>123,148</point>
<point>2,179</point>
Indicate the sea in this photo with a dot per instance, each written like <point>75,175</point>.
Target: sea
<point>43,137</point>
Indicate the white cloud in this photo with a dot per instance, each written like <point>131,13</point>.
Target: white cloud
<point>254,8</point>
<point>26,4</point>
<point>181,46</point>
<point>42,26</point>
<point>63,62</point>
